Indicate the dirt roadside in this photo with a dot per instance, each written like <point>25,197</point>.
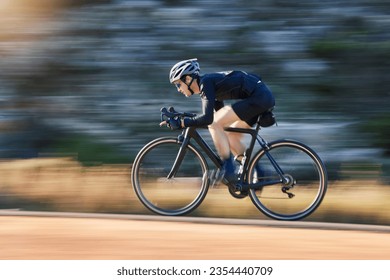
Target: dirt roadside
<point>53,238</point>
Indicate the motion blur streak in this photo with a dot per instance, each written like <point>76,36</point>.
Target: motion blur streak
<point>82,82</point>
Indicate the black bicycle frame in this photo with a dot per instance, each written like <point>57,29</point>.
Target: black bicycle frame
<point>248,154</point>
<point>191,133</point>
<point>188,134</point>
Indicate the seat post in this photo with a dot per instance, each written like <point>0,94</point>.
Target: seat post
<point>258,127</point>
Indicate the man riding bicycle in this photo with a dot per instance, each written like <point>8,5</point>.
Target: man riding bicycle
<point>254,98</point>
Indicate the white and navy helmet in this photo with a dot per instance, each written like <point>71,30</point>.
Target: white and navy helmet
<point>182,68</point>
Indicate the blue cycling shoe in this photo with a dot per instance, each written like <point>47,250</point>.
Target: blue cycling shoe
<point>228,169</point>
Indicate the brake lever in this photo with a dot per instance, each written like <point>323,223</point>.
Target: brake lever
<point>171,113</point>
<point>165,113</point>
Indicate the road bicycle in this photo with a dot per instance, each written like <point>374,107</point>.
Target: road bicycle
<point>285,179</point>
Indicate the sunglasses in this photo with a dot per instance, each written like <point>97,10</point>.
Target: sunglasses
<point>178,85</point>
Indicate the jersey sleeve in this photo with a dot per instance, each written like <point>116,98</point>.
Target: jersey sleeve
<point>208,106</point>
<point>206,118</point>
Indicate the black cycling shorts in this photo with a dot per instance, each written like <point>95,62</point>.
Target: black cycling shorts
<point>260,101</point>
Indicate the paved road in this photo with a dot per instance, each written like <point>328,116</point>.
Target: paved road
<point>47,235</point>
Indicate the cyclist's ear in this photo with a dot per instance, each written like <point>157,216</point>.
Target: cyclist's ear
<point>188,79</point>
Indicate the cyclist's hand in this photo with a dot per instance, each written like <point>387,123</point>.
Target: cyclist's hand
<point>174,123</point>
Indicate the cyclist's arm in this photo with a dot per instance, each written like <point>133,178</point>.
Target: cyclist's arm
<point>207,94</point>
<point>204,119</point>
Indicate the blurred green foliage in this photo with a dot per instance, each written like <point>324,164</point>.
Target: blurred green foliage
<point>380,128</point>
<point>87,151</point>
<point>360,60</point>
<point>357,83</point>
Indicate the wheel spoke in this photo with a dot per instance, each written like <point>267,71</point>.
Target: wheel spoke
<point>175,196</point>
<point>303,185</point>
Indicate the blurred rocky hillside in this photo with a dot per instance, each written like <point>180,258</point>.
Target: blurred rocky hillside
<point>89,77</point>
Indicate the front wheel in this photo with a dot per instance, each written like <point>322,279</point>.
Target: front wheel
<point>301,188</point>
<point>174,196</point>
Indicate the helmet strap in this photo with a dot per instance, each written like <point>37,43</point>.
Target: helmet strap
<point>189,85</point>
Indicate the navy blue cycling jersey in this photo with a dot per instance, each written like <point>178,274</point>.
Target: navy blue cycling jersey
<point>217,87</point>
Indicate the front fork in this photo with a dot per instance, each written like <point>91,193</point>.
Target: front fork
<point>184,140</point>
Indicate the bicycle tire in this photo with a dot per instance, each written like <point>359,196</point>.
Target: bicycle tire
<point>303,166</point>
<point>171,197</point>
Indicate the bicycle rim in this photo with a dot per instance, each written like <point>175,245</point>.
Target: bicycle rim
<point>307,186</point>
<point>178,195</point>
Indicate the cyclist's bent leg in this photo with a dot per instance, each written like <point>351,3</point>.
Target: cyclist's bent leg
<point>221,143</point>
<point>220,140</point>
<point>223,118</point>
<point>235,139</point>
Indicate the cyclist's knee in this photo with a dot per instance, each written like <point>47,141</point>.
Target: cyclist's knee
<point>215,127</point>
<point>240,124</point>
<point>225,116</point>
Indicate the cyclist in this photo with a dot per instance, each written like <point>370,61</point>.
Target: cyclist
<point>254,98</point>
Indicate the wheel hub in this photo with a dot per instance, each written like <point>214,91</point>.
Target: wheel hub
<point>288,181</point>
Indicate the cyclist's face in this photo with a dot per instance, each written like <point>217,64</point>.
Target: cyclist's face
<point>182,87</point>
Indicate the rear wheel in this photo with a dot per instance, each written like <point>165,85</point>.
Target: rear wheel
<point>178,195</point>
<point>300,190</point>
